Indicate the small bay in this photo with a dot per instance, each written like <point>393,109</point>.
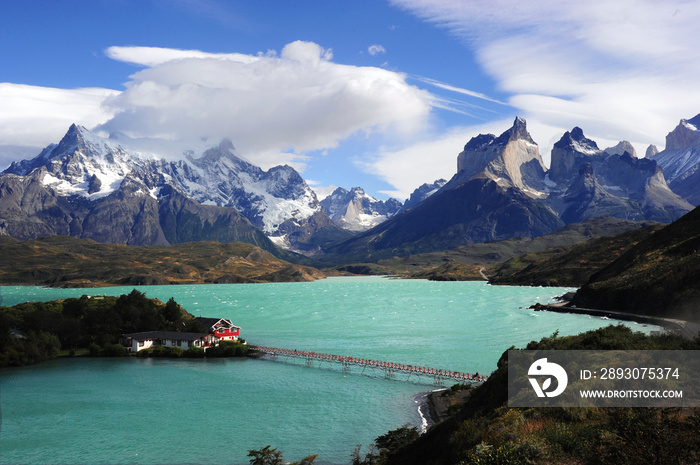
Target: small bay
<point>153,411</point>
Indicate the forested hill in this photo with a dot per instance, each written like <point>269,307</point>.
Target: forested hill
<point>37,331</point>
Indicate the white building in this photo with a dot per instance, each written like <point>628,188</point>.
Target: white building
<point>140,341</point>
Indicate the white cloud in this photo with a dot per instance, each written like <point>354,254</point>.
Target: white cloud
<point>620,70</point>
<point>459,90</point>
<point>154,56</point>
<point>376,50</point>
<point>321,191</point>
<point>37,116</point>
<point>270,104</point>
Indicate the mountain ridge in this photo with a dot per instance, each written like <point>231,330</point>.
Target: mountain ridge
<point>83,170</point>
<point>502,189</point>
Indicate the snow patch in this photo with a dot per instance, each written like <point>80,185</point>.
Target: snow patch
<point>584,148</point>
<point>281,241</point>
<point>548,182</point>
<point>611,188</point>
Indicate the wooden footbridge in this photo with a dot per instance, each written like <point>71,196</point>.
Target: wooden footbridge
<point>390,369</point>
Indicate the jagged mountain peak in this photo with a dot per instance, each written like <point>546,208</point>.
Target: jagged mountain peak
<point>517,132</point>
<point>480,142</point>
<point>680,159</point>
<point>74,139</point>
<point>226,144</point>
<point>621,148</point>
<point>651,151</point>
<point>577,141</point>
<point>511,159</point>
<point>685,136</point>
<point>355,210</point>
<point>355,191</point>
<point>568,153</point>
<point>224,151</point>
<point>423,192</point>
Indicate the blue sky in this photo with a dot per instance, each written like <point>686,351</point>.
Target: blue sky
<point>376,94</point>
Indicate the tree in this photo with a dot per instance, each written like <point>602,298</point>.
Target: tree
<point>265,456</point>
<point>172,313</point>
<point>268,456</point>
<point>310,460</point>
<point>396,439</point>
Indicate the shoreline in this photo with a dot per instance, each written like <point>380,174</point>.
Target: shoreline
<point>427,408</point>
<point>434,407</point>
<point>685,328</point>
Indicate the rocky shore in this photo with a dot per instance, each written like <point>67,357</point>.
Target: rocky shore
<point>440,401</point>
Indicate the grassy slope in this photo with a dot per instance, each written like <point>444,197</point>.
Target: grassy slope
<point>658,276</point>
<point>486,431</point>
<point>70,262</point>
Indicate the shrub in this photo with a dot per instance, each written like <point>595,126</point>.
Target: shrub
<point>95,350</point>
<point>228,349</point>
<point>506,454</point>
<point>114,350</point>
<point>194,352</point>
<point>175,352</point>
<point>241,350</point>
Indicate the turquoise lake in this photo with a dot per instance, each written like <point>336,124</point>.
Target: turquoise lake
<point>153,411</point>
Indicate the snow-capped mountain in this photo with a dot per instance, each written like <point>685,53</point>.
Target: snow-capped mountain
<point>355,210</point>
<point>89,168</point>
<point>680,159</point>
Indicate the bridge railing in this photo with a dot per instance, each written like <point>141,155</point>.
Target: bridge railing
<point>365,362</point>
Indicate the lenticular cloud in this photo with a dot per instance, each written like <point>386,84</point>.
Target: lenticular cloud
<point>298,100</point>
